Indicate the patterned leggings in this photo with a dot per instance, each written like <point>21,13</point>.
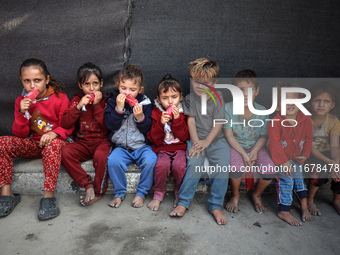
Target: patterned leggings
<point>15,147</point>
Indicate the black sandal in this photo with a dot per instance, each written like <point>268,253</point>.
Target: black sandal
<point>7,204</point>
<point>48,209</point>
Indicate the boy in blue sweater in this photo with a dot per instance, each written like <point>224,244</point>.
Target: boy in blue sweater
<point>129,124</point>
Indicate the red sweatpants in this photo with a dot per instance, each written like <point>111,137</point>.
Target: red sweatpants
<point>15,147</point>
<point>75,153</point>
<point>166,161</point>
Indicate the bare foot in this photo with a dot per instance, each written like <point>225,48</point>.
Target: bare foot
<point>336,202</point>
<point>258,204</point>
<point>137,202</point>
<point>115,202</point>
<point>90,195</point>
<point>219,217</point>
<point>232,205</point>
<point>176,202</point>
<point>306,216</point>
<point>83,203</point>
<point>289,218</point>
<point>178,211</point>
<point>154,205</point>
<point>312,208</point>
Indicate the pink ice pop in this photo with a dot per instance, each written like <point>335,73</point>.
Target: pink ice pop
<point>92,97</point>
<point>32,94</point>
<point>132,101</point>
<point>169,110</point>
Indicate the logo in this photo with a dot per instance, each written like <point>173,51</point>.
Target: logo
<point>238,99</point>
<point>213,90</point>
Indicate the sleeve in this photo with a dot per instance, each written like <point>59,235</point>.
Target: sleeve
<point>187,106</point>
<point>156,133</point>
<point>144,125</point>
<point>20,126</point>
<point>228,115</point>
<point>276,151</point>
<point>113,118</point>
<point>71,115</point>
<point>335,130</point>
<point>308,144</point>
<point>64,105</point>
<point>180,128</point>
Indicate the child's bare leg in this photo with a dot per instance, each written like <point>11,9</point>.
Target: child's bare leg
<point>137,202</point>
<point>232,205</point>
<point>336,202</point>
<point>115,202</point>
<point>260,187</point>
<point>48,194</point>
<point>154,205</point>
<point>178,211</point>
<point>176,202</point>
<point>289,218</point>
<point>6,191</point>
<point>306,216</point>
<point>310,200</point>
<point>219,217</point>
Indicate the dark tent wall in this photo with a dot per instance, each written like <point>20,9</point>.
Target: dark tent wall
<point>65,35</point>
<point>275,38</point>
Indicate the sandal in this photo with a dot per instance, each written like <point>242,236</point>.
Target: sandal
<point>48,209</point>
<point>7,204</point>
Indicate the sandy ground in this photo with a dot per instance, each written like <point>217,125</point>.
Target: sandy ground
<point>99,229</point>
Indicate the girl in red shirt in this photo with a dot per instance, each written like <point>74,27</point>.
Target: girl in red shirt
<point>91,134</point>
<point>168,134</point>
<point>37,134</point>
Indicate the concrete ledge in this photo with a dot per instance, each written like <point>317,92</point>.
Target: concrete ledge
<point>28,178</point>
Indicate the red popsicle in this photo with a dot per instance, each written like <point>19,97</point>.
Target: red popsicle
<point>169,110</point>
<point>92,97</point>
<point>32,94</point>
<point>132,101</point>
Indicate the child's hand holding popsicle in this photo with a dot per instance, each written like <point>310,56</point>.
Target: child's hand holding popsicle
<point>27,102</point>
<point>87,99</point>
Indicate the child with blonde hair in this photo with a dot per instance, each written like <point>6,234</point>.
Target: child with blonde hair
<point>206,140</point>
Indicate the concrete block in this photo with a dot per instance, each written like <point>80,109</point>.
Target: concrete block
<point>28,178</point>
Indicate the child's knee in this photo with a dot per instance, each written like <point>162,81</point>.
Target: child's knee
<point>179,166</point>
<point>112,161</point>
<point>66,152</point>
